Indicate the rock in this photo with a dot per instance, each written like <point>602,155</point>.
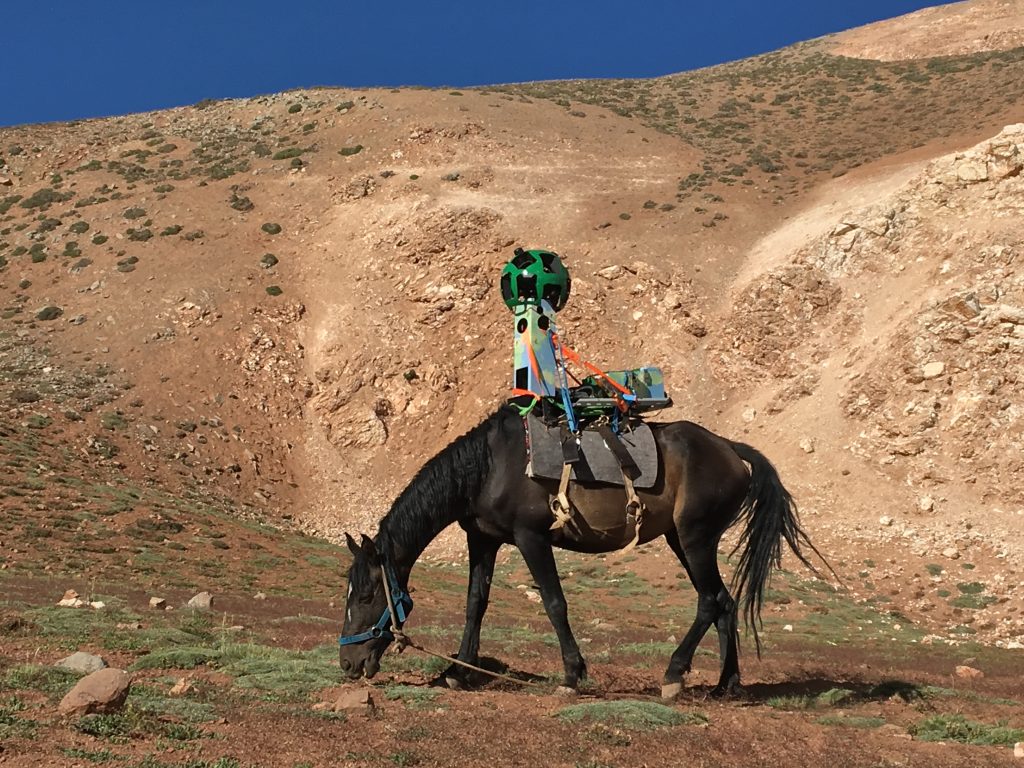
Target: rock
<point>71,600</point>
<point>969,673</point>
<point>613,272</point>
<point>926,503</point>
<point>807,445</point>
<point>951,552</point>
<point>749,415</point>
<point>354,701</point>
<point>787,628</point>
<point>201,602</point>
<point>158,603</point>
<point>83,662</point>
<point>885,521</point>
<point>933,370</point>
<point>97,605</point>
<point>182,687</point>
<point>5,181</point>
<point>1018,750</point>
<point>532,596</point>
<point>259,596</point>
<point>972,171</point>
<point>101,692</point>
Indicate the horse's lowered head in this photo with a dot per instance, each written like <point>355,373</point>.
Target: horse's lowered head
<point>369,620</point>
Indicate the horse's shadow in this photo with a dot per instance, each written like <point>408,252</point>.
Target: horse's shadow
<point>812,690</point>
<point>476,680</point>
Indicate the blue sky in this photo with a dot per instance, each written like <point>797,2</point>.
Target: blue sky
<point>70,59</point>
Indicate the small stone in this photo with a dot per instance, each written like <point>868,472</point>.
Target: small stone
<point>933,370</point>
<point>102,692</point>
<point>97,605</point>
<point>807,445</point>
<point>926,503</point>
<point>749,415</point>
<point>532,596</point>
<point>83,662</point>
<point>788,628</point>
<point>201,602</point>
<point>158,603</point>
<point>610,273</point>
<point>885,521</point>
<point>354,701</point>
<point>182,687</point>
<point>969,673</point>
<point>951,552</point>
<point>1018,750</point>
<point>259,596</point>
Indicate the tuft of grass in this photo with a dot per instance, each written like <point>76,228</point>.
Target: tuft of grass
<point>349,151</point>
<point>271,228</point>
<point>274,290</point>
<point>631,715</point>
<point>959,728</point>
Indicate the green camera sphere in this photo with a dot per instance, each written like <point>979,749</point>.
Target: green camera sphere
<point>534,276</point>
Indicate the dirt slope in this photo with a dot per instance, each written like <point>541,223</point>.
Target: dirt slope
<point>945,30</point>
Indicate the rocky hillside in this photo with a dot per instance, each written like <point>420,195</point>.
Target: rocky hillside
<point>281,306</point>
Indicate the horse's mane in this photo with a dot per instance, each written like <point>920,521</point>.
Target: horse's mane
<point>442,489</point>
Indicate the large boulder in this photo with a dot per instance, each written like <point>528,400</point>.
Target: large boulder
<point>102,692</point>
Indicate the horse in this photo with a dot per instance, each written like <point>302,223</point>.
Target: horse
<point>479,481</point>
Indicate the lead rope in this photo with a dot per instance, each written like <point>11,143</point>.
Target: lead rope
<point>404,640</point>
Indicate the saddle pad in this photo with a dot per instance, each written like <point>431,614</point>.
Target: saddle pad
<point>597,463</point>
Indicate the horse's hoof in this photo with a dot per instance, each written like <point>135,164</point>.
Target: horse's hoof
<point>566,692</point>
<point>671,691</point>
<point>453,682</point>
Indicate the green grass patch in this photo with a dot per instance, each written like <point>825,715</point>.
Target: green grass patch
<point>415,696</point>
<point>188,657</point>
<point>90,755</point>
<point>12,725</point>
<point>289,674</point>
<point>959,728</point>
<point>631,715</point>
<point>51,681</point>
<point>851,721</point>
<point>829,698</point>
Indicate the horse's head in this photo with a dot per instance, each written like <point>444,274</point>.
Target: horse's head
<point>364,639</point>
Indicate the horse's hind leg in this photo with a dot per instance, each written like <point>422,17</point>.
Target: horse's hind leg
<point>715,605</point>
<point>482,553</point>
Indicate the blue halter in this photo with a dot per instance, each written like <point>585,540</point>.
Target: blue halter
<point>401,602</point>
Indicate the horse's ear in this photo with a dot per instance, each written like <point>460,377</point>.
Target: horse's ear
<point>370,549</point>
<point>353,547</point>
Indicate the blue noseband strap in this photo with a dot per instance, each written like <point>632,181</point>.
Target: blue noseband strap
<point>383,628</point>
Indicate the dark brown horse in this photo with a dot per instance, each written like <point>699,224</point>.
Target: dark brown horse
<point>704,486</point>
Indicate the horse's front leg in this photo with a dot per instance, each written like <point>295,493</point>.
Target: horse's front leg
<point>482,553</point>
<point>536,549</point>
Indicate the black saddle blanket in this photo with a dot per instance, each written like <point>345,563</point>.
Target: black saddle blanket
<point>597,463</point>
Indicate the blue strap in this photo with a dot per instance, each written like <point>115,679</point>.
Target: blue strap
<point>403,607</point>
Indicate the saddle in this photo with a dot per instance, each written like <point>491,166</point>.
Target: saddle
<point>596,453</point>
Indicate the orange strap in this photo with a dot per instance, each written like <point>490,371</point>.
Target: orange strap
<point>572,356</point>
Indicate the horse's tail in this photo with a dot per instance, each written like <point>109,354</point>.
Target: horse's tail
<point>769,515</point>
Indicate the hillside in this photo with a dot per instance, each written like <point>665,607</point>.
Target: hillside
<point>279,307</point>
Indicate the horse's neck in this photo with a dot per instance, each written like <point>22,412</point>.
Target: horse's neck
<point>409,533</point>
